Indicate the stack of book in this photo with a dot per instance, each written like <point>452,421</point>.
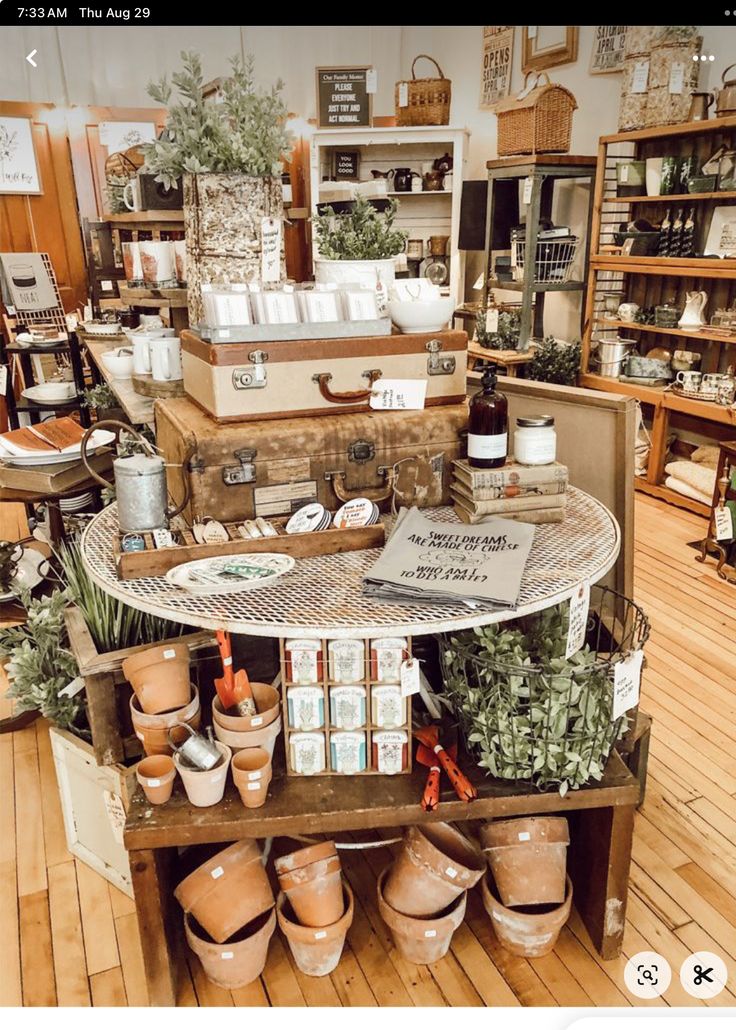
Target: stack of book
<point>524,493</point>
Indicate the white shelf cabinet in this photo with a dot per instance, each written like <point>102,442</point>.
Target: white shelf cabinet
<point>430,213</point>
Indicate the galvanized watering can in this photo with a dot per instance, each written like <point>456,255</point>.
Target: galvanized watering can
<point>195,750</point>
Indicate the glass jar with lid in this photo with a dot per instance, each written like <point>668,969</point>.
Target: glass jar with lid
<point>535,440</point>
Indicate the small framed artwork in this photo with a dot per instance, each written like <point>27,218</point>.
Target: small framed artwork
<point>346,164</point>
<point>546,46</point>
<point>18,168</point>
<point>343,98</point>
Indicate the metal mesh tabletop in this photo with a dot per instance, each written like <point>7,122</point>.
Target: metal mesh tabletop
<point>322,596</point>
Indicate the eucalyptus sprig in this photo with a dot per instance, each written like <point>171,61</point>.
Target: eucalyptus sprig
<point>361,234</point>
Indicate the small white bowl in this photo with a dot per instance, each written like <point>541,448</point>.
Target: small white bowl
<point>118,363</point>
<point>421,316</point>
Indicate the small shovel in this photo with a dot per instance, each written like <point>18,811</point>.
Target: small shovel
<point>430,736</point>
<point>233,688</point>
<point>431,795</point>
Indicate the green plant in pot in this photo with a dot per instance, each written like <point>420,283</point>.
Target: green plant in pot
<point>506,336</point>
<point>555,362</point>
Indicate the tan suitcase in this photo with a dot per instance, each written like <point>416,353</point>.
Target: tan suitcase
<point>241,470</point>
<point>242,381</point>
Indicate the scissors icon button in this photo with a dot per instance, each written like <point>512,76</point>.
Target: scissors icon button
<point>703,975</point>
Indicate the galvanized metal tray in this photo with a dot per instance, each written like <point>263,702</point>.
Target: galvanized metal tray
<point>293,331</point>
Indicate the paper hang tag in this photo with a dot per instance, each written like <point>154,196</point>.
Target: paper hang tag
<point>403,94</point>
<point>640,78</point>
<point>492,320</point>
<point>723,523</point>
<point>624,173</point>
<point>371,81</point>
<point>73,688</point>
<point>527,192</point>
<point>579,605</point>
<point>409,675</point>
<point>106,284</point>
<point>478,284</point>
<point>398,394</point>
<point>677,78</point>
<point>3,379</point>
<point>626,683</point>
<point>270,250</point>
<point>115,813</point>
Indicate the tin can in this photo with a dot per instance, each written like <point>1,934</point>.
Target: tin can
<point>387,654</point>
<point>348,707</point>
<point>307,753</point>
<point>347,752</point>
<point>303,661</point>
<point>305,707</point>
<point>390,751</point>
<point>347,661</point>
<point>388,706</point>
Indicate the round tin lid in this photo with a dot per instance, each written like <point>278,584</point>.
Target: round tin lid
<point>541,420</point>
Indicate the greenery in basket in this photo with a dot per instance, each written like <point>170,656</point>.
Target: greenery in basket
<point>555,362</point>
<point>526,711</point>
<point>99,397</point>
<point>243,131</point>
<point>361,234</point>
<point>506,336</point>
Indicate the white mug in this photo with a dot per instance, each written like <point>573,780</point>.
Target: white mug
<point>690,380</point>
<point>132,195</point>
<point>180,261</point>
<point>132,263</point>
<point>157,258</point>
<point>141,354</point>
<point>166,359</point>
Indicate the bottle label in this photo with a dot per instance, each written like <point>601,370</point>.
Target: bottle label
<point>492,446</point>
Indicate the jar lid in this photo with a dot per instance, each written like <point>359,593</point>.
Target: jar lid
<point>541,420</point>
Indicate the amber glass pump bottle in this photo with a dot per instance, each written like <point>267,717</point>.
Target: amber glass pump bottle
<point>488,425</point>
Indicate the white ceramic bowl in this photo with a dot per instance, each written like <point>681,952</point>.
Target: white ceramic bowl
<point>47,392</point>
<point>421,316</point>
<point>118,364</point>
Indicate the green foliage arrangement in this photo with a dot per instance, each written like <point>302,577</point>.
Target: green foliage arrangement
<point>506,336</point>
<point>244,131</point>
<point>555,362</point>
<point>361,234</point>
<point>99,397</point>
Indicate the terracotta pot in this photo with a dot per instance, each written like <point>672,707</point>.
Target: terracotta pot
<point>238,961</point>
<point>153,730</point>
<point>268,704</point>
<point>316,951</point>
<point>156,775</point>
<point>314,891</point>
<point>528,858</point>
<point>305,856</point>
<point>227,891</point>
<point>252,775</point>
<point>265,738</point>
<point>421,941</point>
<point>433,868</point>
<point>530,933</point>
<point>205,787</point>
<point>160,677</point>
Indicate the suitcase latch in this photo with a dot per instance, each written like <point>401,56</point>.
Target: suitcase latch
<point>361,451</point>
<point>245,472</point>
<point>439,364</point>
<point>254,376</point>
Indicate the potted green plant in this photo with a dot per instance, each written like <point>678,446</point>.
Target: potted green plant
<point>555,362</point>
<point>229,152</point>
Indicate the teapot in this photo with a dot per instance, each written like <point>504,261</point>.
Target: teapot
<point>726,96</point>
<point>403,178</point>
<point>433,181</point>
<point>692,316</point>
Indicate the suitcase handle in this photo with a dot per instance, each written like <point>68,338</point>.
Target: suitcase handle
<point>347,396</point>
<point>338,478</point>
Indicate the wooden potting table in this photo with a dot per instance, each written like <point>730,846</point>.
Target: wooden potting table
<point>322,597</point>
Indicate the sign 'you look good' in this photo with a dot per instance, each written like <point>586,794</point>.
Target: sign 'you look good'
<point>343,100</point>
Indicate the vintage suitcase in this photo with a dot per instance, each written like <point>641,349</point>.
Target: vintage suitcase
<point>241,381</point>
<point>241,470</point>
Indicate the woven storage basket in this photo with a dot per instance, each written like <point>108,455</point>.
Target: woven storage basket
<point>428,100</point>
<point>537,121</point>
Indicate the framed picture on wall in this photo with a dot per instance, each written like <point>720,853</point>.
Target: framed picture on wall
<point>18,168</point>
<point>546,46</point>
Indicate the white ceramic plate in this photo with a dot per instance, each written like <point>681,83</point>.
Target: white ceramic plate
<point>100,438</point>
<point>266,569</point>
<point>32,568</point>
<point>25,339</point>
<point>39,395</point>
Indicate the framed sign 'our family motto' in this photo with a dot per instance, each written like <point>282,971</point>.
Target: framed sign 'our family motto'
<point>18,168</point>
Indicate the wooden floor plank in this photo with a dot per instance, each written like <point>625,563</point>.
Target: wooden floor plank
<point>131,959</point>
<point>98,925</point>
<point>11,992</point>
<point>278,977</point>
<point>54,836</point>
<point>585,970</point>
<point>39,984</point>
<point>657,898</point>
<point>31,856</point>
<point>252,996</point>
<point>70,967</point>
<point>209,995</point>
<point>108,989</point>
<point>695,939</point>
<point>561,983</point>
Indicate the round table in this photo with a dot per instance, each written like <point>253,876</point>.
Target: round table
<point>321,596</point>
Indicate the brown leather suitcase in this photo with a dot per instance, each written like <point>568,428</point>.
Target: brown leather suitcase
<point>244,469</point>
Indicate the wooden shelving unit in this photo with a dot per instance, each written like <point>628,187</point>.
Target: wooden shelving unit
<point>649,281</point>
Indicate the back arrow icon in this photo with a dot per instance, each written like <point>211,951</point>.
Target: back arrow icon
<point>29,58</point>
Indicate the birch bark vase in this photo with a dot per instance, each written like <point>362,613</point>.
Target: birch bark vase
<point>222,217</point>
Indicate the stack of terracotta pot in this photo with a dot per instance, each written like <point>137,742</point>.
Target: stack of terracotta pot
<point>526,890</point>
<point>249,731</point>
<point>315,907</point>
<point>163,696</point>
<point>422,896</point>
<point>229,914</point>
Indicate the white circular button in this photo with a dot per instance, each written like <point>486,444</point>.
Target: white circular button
<point>703,975</point>
<point>647,975</point>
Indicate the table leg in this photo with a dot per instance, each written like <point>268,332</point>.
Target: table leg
<point>600,857</point>
<point>149,870</point>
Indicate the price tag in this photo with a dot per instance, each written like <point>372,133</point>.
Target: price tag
<point>270,250</point>
<point>478,284</point>
<point>677,77</point>
<point>371,81</point>
<point>492,320</point>
<point>398,394</point>
<point>579,605</point>
<point>403,94</point>
<point>217,872</point>
<point>724,523</point>
<point>115,813</point>
<point>626,683</point>
<point>106,284</point>
<point>73,688</point>
<point>527,193</point>
<point>3,379</point>
<point>409,676</point>
<point>640,78</point>
<point>10,310</point>
<point>623,175</point>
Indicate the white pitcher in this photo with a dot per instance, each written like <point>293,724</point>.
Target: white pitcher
<point>166,359</point>
<point>692,316</point>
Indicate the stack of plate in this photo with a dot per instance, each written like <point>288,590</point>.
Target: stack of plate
<point>77,503</point>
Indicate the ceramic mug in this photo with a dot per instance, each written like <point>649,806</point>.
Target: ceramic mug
<point>141,354</point>
<point>627,312</point>
<point>132,264</point>
<point>711,381</point>
<point>157,258</point>
<point>689,380</point>
<point>132,195</point>
<point>166,359</point>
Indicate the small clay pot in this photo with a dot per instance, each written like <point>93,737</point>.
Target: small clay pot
<point>265,737</point>
<point>305,856</point>
<point>433,868</point>
<point>205,787</point>
<point>227,891</point>
<point>315,891</point>
<point>238,961</point>
<point>421,941</point>
<point>316,951</point>
<point>153,730</point>
<point>251,770</point>
<point>268,705</point>
<point>156,775</point>
<point>160,677</point>
<point>531,931</point>
<point>528,858</point>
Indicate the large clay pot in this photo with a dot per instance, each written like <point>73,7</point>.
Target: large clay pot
<point>311,880</point>
<point>238,961</point>
<point>316,951</point>
<point>160,677</point>
<point>434,866</point>
<point>530,933</point>
<point>227,891</point>
<point>265,737</point>
<point>153,730</point>
<point>205,787</point>
<point>528,858</point>
<point>268,704</point>
<point>251,770</point>
<point>421,941</point>
<point>156,776</point>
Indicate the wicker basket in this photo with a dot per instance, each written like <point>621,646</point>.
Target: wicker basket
<point>428,100</point>
<point>537,121</point>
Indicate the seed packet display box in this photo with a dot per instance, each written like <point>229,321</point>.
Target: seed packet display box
<point>369,727</point>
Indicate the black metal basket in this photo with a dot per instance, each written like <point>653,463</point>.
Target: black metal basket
<point>526,713</point>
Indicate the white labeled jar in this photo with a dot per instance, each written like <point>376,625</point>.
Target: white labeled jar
<point>535,440</point>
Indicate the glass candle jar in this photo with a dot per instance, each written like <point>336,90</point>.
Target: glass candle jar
<point>535,440</point>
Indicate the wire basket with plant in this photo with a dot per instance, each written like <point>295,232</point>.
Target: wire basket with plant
<point>361,234</point>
